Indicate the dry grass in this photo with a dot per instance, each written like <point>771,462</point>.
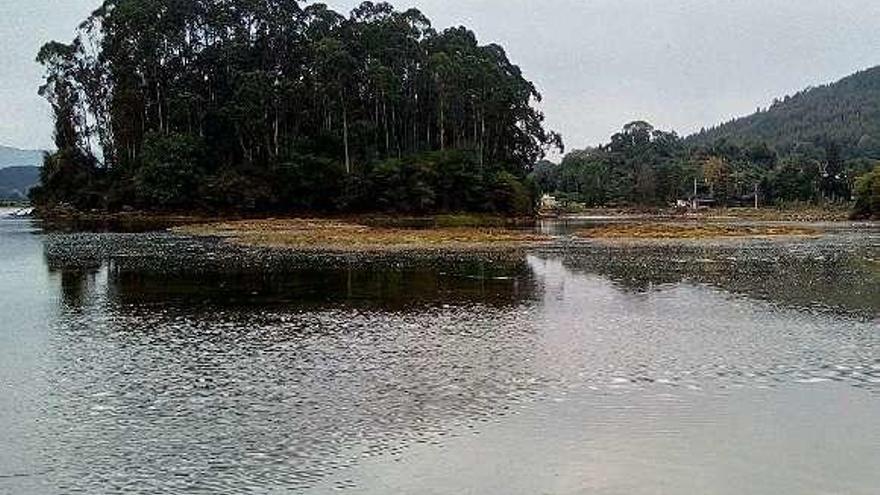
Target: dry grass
<point>337,235</point>
<point>792,214</point>
<point>802,213</point>
<point>664,231</point>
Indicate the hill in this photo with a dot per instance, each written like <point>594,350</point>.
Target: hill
<point>14,157</point>
<point>846,113</point>
<point>15,182</point>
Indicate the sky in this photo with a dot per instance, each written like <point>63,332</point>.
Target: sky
<point>679,64</point>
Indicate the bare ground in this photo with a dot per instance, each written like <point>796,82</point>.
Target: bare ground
<point>346,236</point>
<point>695,231</point>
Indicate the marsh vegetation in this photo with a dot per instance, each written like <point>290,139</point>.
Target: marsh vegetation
<point>348,236</point>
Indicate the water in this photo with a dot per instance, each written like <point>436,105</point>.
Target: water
<point>148,363</point>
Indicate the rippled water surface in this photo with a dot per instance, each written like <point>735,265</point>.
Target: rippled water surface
<point>149,363</point>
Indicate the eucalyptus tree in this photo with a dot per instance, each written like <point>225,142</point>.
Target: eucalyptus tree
<point>250,89</point>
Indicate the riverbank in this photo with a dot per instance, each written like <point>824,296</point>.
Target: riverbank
<point>138,218</point>
<point>349,235</point>
<point>693,231</point>
<point>143,219</point>
<point>456,232</point>
<point>792,214</point>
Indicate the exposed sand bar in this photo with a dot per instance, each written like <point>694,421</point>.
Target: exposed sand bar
<point>696,231</point>
<point>348,236</point>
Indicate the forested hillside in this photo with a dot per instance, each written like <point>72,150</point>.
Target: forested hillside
<point>846,113</point>
<point>643,166</point>
<point>809,148</point>
<point>282,104</point>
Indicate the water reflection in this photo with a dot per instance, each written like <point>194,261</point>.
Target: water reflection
<point>814,276</point>
<point>236,399</point>
<point>838,273</point>
<point>406,285</point>
<point>175,365</point>
<point>691,335</point>
<point>396,288</point>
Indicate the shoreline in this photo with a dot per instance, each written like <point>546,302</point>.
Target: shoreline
<point>462,219</point>
<point>182,218</point>
<point>345,236</point>
<point>387,233</point>
<point>769,214</point>
<point>310,235</point>
<point>695,231</point>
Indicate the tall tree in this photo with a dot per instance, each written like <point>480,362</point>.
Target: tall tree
<point>267,87</point>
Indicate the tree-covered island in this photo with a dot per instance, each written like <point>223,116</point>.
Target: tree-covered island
<point>285,105</point>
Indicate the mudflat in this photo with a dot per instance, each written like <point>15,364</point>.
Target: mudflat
<point>344,235</point>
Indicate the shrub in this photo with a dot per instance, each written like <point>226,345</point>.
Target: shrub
<point>71,177</point>
<point>868,195</point>
<point>170,172</point>
<point>232,189</point>
<point>511,196</point>
<point>405,185</point>
<point>309,182</point>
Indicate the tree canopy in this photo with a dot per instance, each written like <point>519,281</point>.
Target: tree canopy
<point>868,195</point>
<point>643,166</point>
<point>808,148</point>
<point>285,104</point>
<point>845,113</point>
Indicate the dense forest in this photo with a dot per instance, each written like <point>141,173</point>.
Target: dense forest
<point>648,167</point>
<point>286,105</point>
<point>809,148</point>
<point>845,113</point>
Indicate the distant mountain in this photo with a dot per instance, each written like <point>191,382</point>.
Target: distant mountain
<point>15,182</point>
<point>846,113</point>
<point>14,157</point>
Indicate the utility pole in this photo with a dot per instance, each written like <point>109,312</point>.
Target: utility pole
<point>756,196</point>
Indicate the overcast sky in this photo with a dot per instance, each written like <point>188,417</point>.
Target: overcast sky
<point>680,64</point>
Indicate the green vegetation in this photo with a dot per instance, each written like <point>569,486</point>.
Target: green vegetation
<point>868,194</point>
<point>247,106</point>
<point>283,105</point>
<point>845,114</point>
<point>805,150</point>
<point>642,166</point>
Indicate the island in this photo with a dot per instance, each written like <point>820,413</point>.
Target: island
<point>240,112</point>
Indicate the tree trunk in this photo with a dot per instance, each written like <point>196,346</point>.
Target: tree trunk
<point>345,138</point>
<point>442,123</point>
<point>482,137</point>
<point>385,123</point>
<point>277,131</point>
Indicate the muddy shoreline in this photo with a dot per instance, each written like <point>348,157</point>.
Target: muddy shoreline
<point>328,235</point>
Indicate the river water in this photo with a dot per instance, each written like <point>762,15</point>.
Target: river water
<point>145,363</point>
